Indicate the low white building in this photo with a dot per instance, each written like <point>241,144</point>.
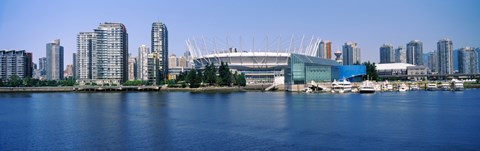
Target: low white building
<point>401,69</point>
<point>392,68</point>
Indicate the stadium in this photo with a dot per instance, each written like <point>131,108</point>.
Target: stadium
<point>279,62</point>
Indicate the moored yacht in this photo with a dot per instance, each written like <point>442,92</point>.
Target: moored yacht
<point>414,87</point>
<point>458,85</point>
<point>403,87</point>
<point>343,86</point>
<point>367,87</point>
<point>387,86</point>
<point>432,87</point>
<point>445,86</point>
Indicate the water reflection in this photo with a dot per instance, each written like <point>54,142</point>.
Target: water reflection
<point>244,121</point>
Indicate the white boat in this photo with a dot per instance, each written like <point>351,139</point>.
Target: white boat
<point>403,87</point>
<point>414,87</point>
<point>386,86</point>
<point>308,90</point>
<point>445,86</point>
<point>458,85</point>
<point>432,87</point>
<point>367,87</point>
<point>378,87</point>
<point>342,86</point>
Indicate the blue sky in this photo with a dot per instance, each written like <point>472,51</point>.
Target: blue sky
<point>30,24</point>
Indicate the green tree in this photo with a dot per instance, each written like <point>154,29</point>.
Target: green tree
<point>52,83</point>
<point>15,81</point>
<point>160,78</point>
<point>193,79</point>
<point>27,82</point>
<point>200,76</point>
<point>182,76</point>
<point>241,80</point>
<point>1,83</point>
<point>210,74</point>
<point>371,71</point>
<point>133,83</point>
<point>225,74</point>
<point>234,78</point>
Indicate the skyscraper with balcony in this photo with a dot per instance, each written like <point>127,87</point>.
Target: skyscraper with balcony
<point>110,53</point>
<point>445,56</point>
<point>54,66</point>
<point>15,62</point>
<point>387,54</point>
<point>85,45</point>
<point>468,60</point>
<point>102,55</point>
<point>159,46</point>
<point>351,53</point>
<point>142,63</point>
<point>415,52</point>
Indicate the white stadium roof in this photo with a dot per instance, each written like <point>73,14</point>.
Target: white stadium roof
<point>393,66</point>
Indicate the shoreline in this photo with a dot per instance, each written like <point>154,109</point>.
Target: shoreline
<point>98,89</point>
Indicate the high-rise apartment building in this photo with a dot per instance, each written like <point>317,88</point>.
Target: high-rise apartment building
<point>400,55</point>
<point>142,63</point>
<point>415,52</point>
<point>42,65</point>
<point>432,61</point>
<point>110,53</point>
<point>445,56</point>
<point>69,71</point>
<point>387,54</point>
<point>74,68</point>
<point>132,68</point>
<point>182,62</point>
<point>159,45</point>
<point>172,61</point>
<point>152,72</point>
<point>351,53</point>
<point>102,55</point>
<point>468,60</point>
<point>15,62</point>
<point>54,66</point>
<point>478,60</point>
<point>324,49</point>
<point>85,45</point>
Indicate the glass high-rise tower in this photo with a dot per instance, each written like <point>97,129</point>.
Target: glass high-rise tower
<point>400,55</point>
<point>387,54</point>
<point>159,47</point>
<point>54,66</point>
<point>351,53</point>
<point>445,56</point>
<point>467,60</point>
<point>415,52</point>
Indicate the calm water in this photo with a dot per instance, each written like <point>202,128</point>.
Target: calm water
<point>240,121</point>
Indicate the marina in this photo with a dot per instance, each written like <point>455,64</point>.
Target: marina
<point>344,86</point>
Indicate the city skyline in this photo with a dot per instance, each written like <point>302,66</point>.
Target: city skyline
<point>365,24</point>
